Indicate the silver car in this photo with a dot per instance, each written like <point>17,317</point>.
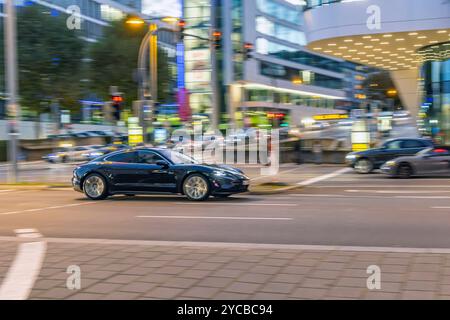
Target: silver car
<point>430,161</point>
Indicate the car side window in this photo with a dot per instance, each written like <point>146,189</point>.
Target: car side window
<point>393,144</point>
<point>148,157</point>
<point>124,157</point>
<point>412,144</point>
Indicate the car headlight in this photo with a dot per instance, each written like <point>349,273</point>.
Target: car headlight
<point>390,163</point>
<point>351,156</point>
<point>219,173</point>
<point>96,154</point>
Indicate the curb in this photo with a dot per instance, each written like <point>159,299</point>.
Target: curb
<point>275,191</point>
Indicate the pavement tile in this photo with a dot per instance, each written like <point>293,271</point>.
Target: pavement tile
<point>230,273</point>
<point>420,286</point>
<point>325,274</point>
<point>317,283</point>
<point>201,292</point>
<point>163,293</point>
<point>346,292</point>
<point>140,271</point>
<point>207,266</point>
<point>122,278</point>
<point>377,295</point>
<point>274,262</point>
<point>183,283</point>
<point>56,293</point>
<point>99,274</point>
<point>268,296</point>
<point>85,296</point>
<point>46,284</point>
<point>288,278</point>
<point>254,277</point>
<point>308,293</point>
<point>102,288</point>
<point>278,287</point>
<point>196,274</point>
<point>243,287</point>
<point>138,287</point>
<point>231,296</point>
<point>417,295</point>
<point>215,282</point>
<point>119,295</point>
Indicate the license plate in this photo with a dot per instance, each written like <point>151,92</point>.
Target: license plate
<point>246,182</point>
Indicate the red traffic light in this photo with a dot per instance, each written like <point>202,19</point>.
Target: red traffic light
<point>181,23</point>
<point>217,34</point>
<point>248,46</point>
<point>117,99</point>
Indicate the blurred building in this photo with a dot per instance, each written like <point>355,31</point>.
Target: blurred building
<point>409,38</point>
<point>96,15</point>
<point>280,80</point>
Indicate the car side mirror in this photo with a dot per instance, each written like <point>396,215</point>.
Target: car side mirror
<point>163,164</point>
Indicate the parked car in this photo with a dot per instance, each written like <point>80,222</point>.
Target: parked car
<point>147,170</point>
<point>367,161</point>
<point>430,161</point>
<point>73,154</point>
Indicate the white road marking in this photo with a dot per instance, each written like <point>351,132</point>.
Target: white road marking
<point>273,177</point>
<point>22,274</point>
<point>383,186</point>
<point>243,246</point>
<point>8,190</point>
<point>239,204</point>
<point>440,207</point>
<point>48,208</point>
<point>422,197</point>
<point>358,196</point>
<point>210,217</point>
<point>324,177</point>
<point>400,191</point>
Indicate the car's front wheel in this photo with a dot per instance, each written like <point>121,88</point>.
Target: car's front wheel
<point>364,166</point>
<point>196,187</point>
<point>404,171</point>
<point>95,187</point>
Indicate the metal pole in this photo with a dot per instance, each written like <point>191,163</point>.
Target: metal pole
<point>11,85</point>
<point>153,47</point>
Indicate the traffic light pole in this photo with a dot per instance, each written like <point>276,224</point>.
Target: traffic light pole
<point>11,84</point>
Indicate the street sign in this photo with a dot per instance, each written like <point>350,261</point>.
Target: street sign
<point>330,117</point>
<point>135,132</point>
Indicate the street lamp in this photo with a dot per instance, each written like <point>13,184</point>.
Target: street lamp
<point>150,40</point>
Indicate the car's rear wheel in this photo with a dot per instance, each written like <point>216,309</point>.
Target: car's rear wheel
<point>95,187</point>
<point>196,187</point>
<point>404,171</point>
<point>364,166</point>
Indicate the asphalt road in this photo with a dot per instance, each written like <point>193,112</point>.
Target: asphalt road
<point>346,209</point>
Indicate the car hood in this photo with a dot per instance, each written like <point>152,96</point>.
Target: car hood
<point>229,169</point>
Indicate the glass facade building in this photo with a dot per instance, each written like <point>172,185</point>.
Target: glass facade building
<point>434,115</point>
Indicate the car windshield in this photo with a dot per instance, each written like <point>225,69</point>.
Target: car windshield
<point>178,158</point>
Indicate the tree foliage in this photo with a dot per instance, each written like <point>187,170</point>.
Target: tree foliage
<point>114,63</point>
<point>49,58</point>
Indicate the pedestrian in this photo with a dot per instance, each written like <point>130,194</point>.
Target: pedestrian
<point>317,151</point>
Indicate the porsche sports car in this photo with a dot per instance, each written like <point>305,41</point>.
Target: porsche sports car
<point>430,161</point>
<point>155,170</point>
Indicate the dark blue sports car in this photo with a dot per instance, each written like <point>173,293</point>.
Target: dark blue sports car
<point>154,170</point>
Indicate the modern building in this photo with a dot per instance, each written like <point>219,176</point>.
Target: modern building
<point>281,80</point>
<point>409,38</point>
<point>96,15</point>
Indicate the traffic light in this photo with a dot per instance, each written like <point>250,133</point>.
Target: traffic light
<point>248,49</point>
<point>181,26</point>
<point>116,100</point>
<point>217,39</point>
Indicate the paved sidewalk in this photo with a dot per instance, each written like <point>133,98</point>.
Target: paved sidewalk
<point>155,270</point>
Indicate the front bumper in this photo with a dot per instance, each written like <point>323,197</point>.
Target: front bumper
<point>76,184</point>
<point>227,186</point>
<point>389,170</point>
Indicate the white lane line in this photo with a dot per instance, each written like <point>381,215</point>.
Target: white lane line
<point>440,207</point>
<point>239,204</point>
<point>47,208</point>
<point>8,190</point>
<point>422,197</point>
<point>27,264</point>
<point>219,218</point>
<point>324,177</point>
<point>397,191</point>
<point>382,186</point>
